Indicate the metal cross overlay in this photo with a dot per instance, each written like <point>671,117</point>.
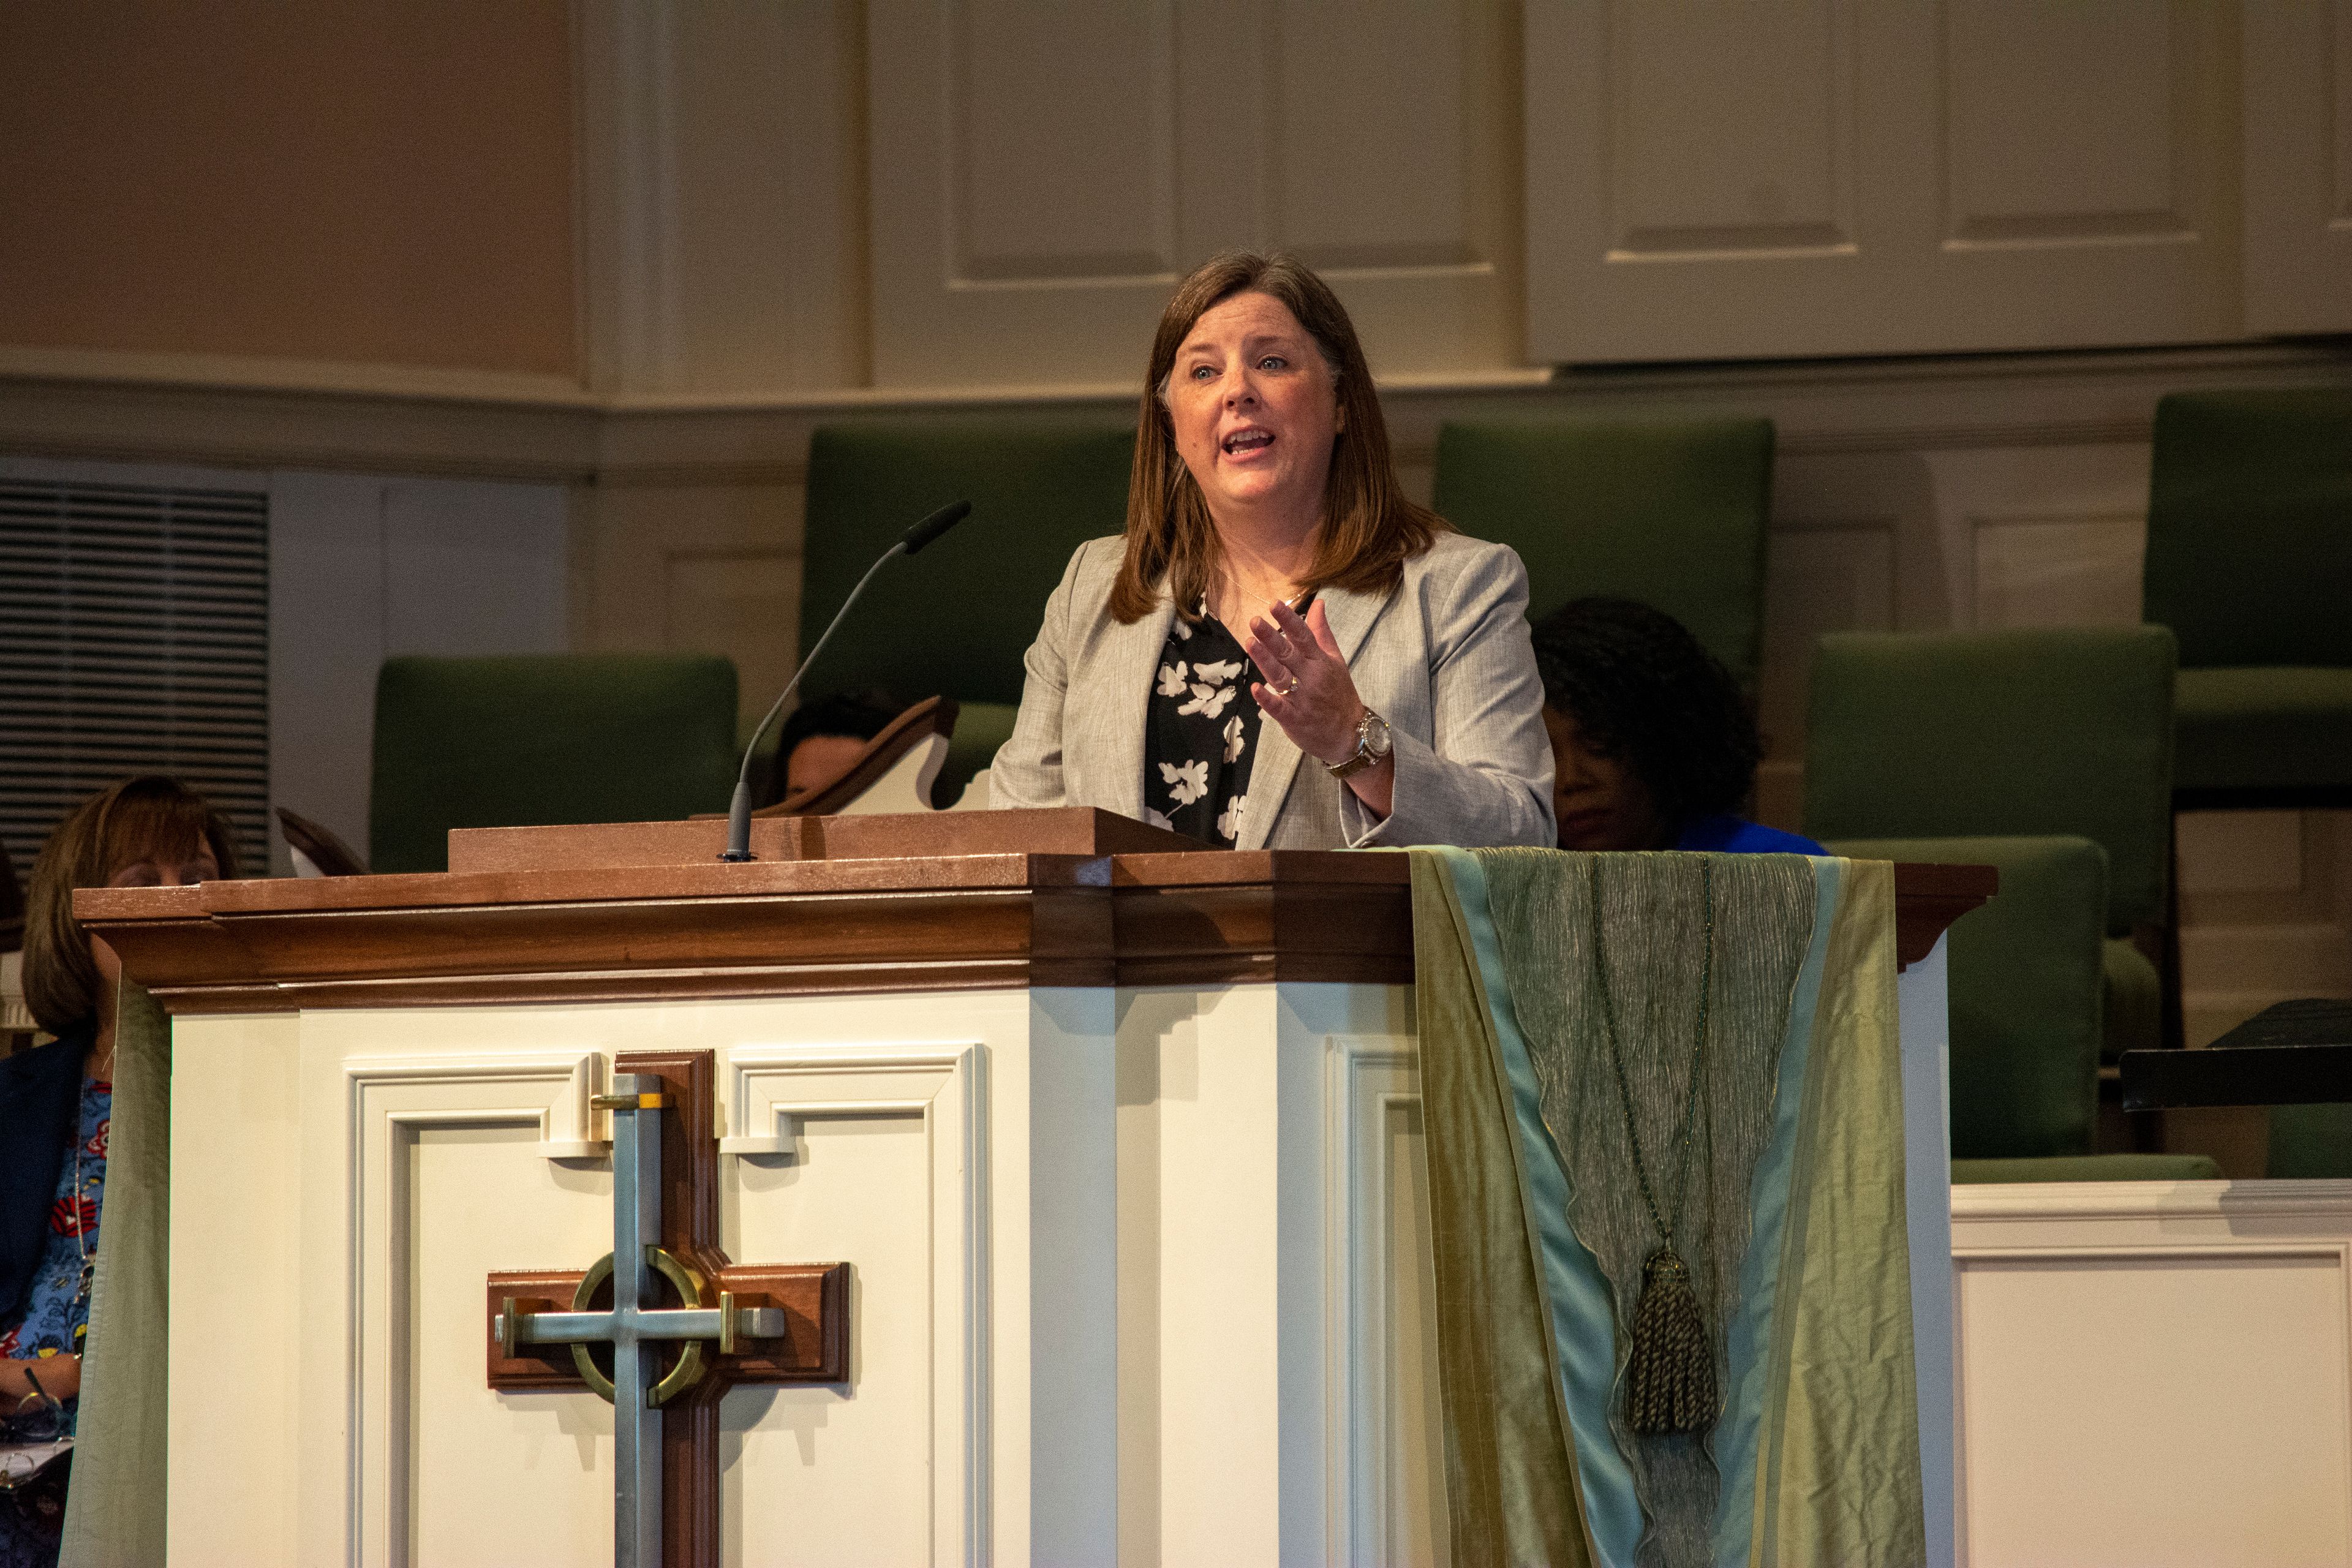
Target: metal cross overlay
<point>731,1323</point>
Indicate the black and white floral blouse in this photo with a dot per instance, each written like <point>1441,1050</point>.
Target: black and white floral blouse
<point>1202,736</point>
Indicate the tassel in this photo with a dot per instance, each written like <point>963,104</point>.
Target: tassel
<point>1670,1378</point>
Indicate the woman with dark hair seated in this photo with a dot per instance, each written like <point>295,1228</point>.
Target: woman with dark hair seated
<point>56,1111</point>
<point>820,737</point>
<point>1652,746</point>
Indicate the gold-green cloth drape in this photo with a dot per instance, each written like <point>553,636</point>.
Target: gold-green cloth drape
<point>1838,1471</point>
<point>1510,1470</point>
<point>1817,1448</point>
<point>115,1502</point>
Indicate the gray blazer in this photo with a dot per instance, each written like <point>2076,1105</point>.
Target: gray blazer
<point>1445,658</point>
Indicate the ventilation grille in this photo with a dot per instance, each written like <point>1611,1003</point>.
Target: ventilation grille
<point>134,638</point>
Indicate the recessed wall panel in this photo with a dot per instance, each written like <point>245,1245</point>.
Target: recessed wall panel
<point>2241,1451</point>
<point>2059,572</point>
<point>2059,121</point>
<point>1729,126</point>
<point>1063,141</point>
<point>1372,163</point>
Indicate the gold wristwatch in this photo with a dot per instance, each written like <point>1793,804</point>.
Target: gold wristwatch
<point>1373,743</point>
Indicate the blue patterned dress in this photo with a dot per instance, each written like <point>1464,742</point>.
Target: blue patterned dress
<point>56,1319</point>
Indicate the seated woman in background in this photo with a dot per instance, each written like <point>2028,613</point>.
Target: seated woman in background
<point>821,737</point>
<point>55,1107</point>
<point>1282,650</point>
<point>1652,746</point>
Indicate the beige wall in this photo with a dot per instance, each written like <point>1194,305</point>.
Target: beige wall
<point>348,182</point>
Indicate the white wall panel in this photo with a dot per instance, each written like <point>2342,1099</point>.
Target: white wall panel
<point>722,196</point>
<point>2059,572</point>
<point>1716,181</point>
<point>1783,71</point>
<point>2035,147</point>
<point>2298,165</point>
<point>1352,188</point>
<point>1043,175</point>
<point>2155,1373</point>
<point>768,285</point>
<point>1097,152</point>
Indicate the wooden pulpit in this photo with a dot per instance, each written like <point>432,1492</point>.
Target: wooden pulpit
<point>1038,1190</point>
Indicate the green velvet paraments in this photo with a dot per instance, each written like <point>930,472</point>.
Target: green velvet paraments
<point>1672,513</point>
<point>2249,527</point>
<point>955,620</point>
<point>533,740</point>
<point>2020,733</point>
<point>2023,973</point>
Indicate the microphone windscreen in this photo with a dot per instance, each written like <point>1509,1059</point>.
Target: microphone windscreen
<point>939,522</point>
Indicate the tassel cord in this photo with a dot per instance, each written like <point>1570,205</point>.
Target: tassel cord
<point>1664,1219</point>
<point>1670,1370</point>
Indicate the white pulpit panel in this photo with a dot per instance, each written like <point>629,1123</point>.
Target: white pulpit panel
<point>889,1157</point>
<point>470,1475</point>
<point>450,1179</point>
<point>440,1146</point>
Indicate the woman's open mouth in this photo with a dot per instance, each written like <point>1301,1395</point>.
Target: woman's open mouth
<point>1242,443</point>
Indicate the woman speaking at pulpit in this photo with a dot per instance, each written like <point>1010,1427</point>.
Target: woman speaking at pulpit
<point>1281,650</point>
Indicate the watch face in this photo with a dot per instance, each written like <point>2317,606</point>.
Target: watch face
<point>1376,737</point>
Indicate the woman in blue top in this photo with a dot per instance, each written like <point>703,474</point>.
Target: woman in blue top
<point>1652,746</point>
<point>56,1110</point>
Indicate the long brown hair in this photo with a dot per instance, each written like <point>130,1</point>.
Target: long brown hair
<point>1370,528</point>
<point>113,828</point>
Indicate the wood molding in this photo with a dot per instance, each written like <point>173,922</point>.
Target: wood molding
<point>931,716</point>
<point>932,922</point>
<point>407,419</point>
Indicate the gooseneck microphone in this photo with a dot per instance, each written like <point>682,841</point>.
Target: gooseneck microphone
<point>739,813</point>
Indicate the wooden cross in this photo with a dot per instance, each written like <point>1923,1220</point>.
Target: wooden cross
<point>767,1323</point>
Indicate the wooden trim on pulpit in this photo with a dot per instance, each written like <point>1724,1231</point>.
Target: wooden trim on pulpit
<point>931,716</point>
<point>1929,898</point>
<point>927,920</point>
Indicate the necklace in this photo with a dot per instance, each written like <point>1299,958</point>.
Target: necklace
<point>1670,1377</point>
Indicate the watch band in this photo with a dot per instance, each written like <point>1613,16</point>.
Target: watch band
<point>1366,753</point>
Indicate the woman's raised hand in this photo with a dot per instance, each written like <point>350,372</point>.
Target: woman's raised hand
<point>1306,688</point>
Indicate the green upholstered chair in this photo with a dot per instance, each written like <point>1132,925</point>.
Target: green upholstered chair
<point>955,620</point>
<point>1670,513</point>
<point>554,738</point>
<point>2249,562</point>
<point>2024,973</point>
<point>2011,734</point>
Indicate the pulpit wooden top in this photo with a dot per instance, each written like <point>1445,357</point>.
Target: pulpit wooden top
<point>645,911</point>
